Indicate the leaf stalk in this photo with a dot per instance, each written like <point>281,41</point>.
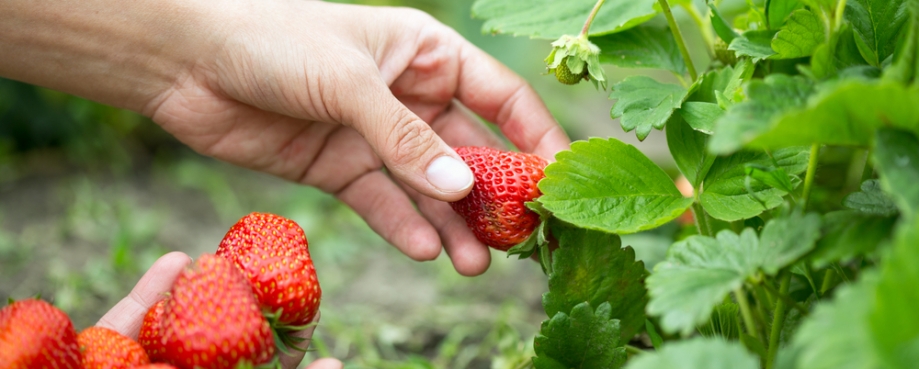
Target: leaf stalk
<point>778,318</point>
<point>590,18</point>
<point>746,313</point>
<point>809,177</point>
<point>702,221</point>
<point>678,37</point>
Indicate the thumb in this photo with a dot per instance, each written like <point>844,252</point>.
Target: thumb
<point>409,148</point>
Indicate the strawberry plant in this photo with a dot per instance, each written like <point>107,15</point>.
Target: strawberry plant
<point>796,123</point>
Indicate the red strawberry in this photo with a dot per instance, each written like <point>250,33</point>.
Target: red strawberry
<point>155,366</point>
<point>504,181</point>
<point>34,334</point>
<point>273,253</point>
<point>103,348</point>
<point>212,320</point>
<point>151,336</point>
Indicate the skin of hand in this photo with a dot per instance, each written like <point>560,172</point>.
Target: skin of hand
<point>127,315</point>
<point>362,102</point>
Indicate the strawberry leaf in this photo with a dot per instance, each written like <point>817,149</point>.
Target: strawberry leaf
<point>846,114</point>
<point>641,47</point>
<point>871,200</point>
<point>896,158</point>
<point>584,339</point>
<point>800,36</point>
<point>592,266</point>
<point>777,11</point>
<point>877,24</point>
<point>700,271</point>
<point>549,19</point>
<point>765,99</point>
<point>724,31</point>
<point>644,103</point>
<point>729,196</point>
<point>893,322</point>
<point>578,188</point>
<point>687,146</point>
<point>697,353</point>
<point>755,44</point>
<point>849,234</point>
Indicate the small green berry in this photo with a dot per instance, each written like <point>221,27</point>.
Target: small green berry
<point>564,75</point>
<point>725,56</point>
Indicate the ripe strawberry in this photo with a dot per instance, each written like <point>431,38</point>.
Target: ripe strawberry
<point>272,252</point>
<point>35,334</point>
<point>155,366</point>
<point>103,348</point>
<point>151,336</point>
<point>212,320</point>
<point>504,181</point>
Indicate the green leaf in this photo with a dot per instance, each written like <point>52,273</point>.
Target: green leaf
<point>610,186</point>
<point>849,234</point>
<point>800,36</point>
<point>726,196</point>
<point>697,353</point>
<point>896,157</point>
<point>701,116</point>
<point>700,271</point>
<point>876,23</point>
<point>893,322</point>
<point>591,266</point>
<point>549,19</point>
<point>766,100</point>
<point>641,47</point>
<point>770,176</point>
<point>846,114</point>
<point>724,323</point>
<point>871,200</point>
<point>584,339</point>
<point>778,10</point>
<point>836,335</point>
<point>644,103</point>
<point>655,337</point>
<point>724,31</point>
<point>687,147</point>
<point>755,44</point>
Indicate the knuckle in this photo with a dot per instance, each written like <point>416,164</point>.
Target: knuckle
<point>410,138</point>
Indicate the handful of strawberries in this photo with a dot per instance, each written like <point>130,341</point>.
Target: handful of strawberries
<point>223,312</point>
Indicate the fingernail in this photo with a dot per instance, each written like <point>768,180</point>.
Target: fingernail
<point>449,174</point>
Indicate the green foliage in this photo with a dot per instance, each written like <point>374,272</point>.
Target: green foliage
<point>610,186</point>
<point>592,266</point>
<point>897,160</point>
<point>641,47</point>
<point>755,44</point>
<point>550,19</point>
<point>877,24</point>
<point>697,353</point>
<point>800,35</point>
<point>700,271</point>
<point>894,323</point>
<point>583,339</point>
<point>644,103</point>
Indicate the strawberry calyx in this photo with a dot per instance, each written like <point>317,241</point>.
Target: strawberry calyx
<point>538,241</point>
<point>285,334</point>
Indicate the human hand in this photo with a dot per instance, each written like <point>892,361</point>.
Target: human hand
<point>127,316</point>
<point>361,102</point>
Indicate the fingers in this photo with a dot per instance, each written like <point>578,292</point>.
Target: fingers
<point>128,314</point>
<point>390,213</point>
<point>496,93</point>
<point>409,148</point>
<point>327,363</point>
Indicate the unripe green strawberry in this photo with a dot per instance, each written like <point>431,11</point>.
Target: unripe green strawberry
<point>212,320</point>
<point>103,348</point>
<point>273,254</point>
<point>564,75</point>
<point>35,334</point>
<point>725,56</point>
<point>495,210</point>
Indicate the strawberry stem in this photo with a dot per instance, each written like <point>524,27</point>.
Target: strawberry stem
<point>590,18</point>
<point>678,37</point>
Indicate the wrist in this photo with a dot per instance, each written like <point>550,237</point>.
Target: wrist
<point>119,53</point>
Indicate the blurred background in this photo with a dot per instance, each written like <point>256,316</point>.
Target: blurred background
<point>90,196</point>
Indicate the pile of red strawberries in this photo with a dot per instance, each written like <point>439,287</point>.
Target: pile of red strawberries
<point>223,312</point>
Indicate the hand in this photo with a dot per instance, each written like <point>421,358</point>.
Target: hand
<point>322,94</point>
<point>127,316</point>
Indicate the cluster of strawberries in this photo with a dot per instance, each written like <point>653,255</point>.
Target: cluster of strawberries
<point>223,312</point>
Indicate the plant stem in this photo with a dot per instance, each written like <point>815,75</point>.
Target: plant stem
<point>868,171</point>
<point>590,18</point>
<point>828,280</point>
<point>809,177</point>
<point>745,312</point>
<point>778,320</point>
<point>784,299</point>
<point>678,37</point>
<point>702,221</point>
<point>704,27</point>
<point>634,350</point>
